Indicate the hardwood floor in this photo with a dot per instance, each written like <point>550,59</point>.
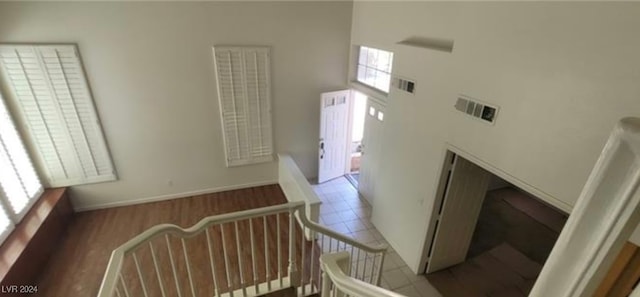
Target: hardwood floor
<point>78,265</point>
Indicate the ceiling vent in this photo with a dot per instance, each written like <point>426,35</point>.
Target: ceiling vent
<point>477,109</point>
<point>404,84</point>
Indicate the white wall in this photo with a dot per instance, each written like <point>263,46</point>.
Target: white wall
<point>562,74</point>
<point>151,70</point>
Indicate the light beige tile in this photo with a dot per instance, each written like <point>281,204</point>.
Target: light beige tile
<point>409,291</point>
<point>356,225</point>
<point>330,219</point>
<point>395,278</point>
<point>396,258</point>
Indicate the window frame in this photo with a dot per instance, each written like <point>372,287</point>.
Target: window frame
<point>363,83</point>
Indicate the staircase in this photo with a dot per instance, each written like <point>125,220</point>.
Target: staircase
<point>272,251</point>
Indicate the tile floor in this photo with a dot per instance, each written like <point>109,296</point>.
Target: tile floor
<point>344,211</point>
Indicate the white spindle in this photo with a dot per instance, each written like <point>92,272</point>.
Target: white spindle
<point>142,284</point>
<point>124,286</point>
<point>326,285</point>
<point>239,252</point>
<point>173,267</point>
<point>379,275</point>
<point>302,261</point>
<point>293,269</point>
<point>266,253</point>
<point>357,264</point>
<point>253,258</point>
<point>186,260</point>
<point>155,265</point>
<point>364,268</point>
<point>226,260</point>
<point>311,270</point>
<point>279,249</point>
<point>214,279</point>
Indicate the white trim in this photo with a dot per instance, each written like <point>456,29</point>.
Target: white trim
<point>175,195</point>
<point>448,147</point>
<point>511,179</point>
<point>605,215</point>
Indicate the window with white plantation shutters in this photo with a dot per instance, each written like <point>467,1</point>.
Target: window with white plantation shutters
<point>244,91</point>
<point>47,89</point>
<point>19,184</point>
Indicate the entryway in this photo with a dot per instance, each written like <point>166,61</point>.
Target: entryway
<point>491,238</point>
<point>349,144</point>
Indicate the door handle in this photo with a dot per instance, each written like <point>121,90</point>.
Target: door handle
<point>321,149</point>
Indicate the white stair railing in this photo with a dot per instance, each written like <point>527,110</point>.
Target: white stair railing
<point>336,279</point>
<point>235,254</point>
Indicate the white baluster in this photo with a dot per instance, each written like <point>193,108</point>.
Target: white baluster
<point>155,265</point>
<point>302,260</point>
<point>253,258</point>
<point>226,260</point>
<point>186,260</point>
<point>212,263</point>
<point>311,270</point>
<point>326,285</point>
<point>173,267</point>
<point>330,244</point>
<point>357,263</point>
<point>266,253</point>
<point>364,269</point>
<point>279,249</point>
<point>239,252</point>
<point>124,286</point>
<point>294,278</point>
<point>379,272</point>
<point>144,286</point>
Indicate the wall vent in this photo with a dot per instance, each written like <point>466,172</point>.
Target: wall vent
<point>477,109</point>
<point>404,84</point>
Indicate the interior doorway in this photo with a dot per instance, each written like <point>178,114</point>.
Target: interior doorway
<point>490,238</point>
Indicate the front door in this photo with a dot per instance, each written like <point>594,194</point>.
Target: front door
<point>334,125</point>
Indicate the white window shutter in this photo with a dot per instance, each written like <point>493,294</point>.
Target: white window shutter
<point>50,92</point>
<point>19,183</point>
<point>244,91</point>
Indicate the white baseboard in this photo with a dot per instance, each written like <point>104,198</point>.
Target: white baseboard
<point>174,196</point>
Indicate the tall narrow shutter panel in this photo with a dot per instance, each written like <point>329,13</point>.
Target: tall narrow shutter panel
<point>244,91</point>
<point>19,183</point>
<point>51,93</point>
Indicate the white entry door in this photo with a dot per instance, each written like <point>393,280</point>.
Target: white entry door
<point>463,197</point>
<point>371,149</point>
<point>334,127</point>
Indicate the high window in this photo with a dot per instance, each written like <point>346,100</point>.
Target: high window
<point>19,184</point>
<point>48,94</point>
<point>374,68</point>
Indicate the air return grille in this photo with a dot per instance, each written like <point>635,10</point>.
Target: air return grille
<point>477,109</point>
<point>404,84</point>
